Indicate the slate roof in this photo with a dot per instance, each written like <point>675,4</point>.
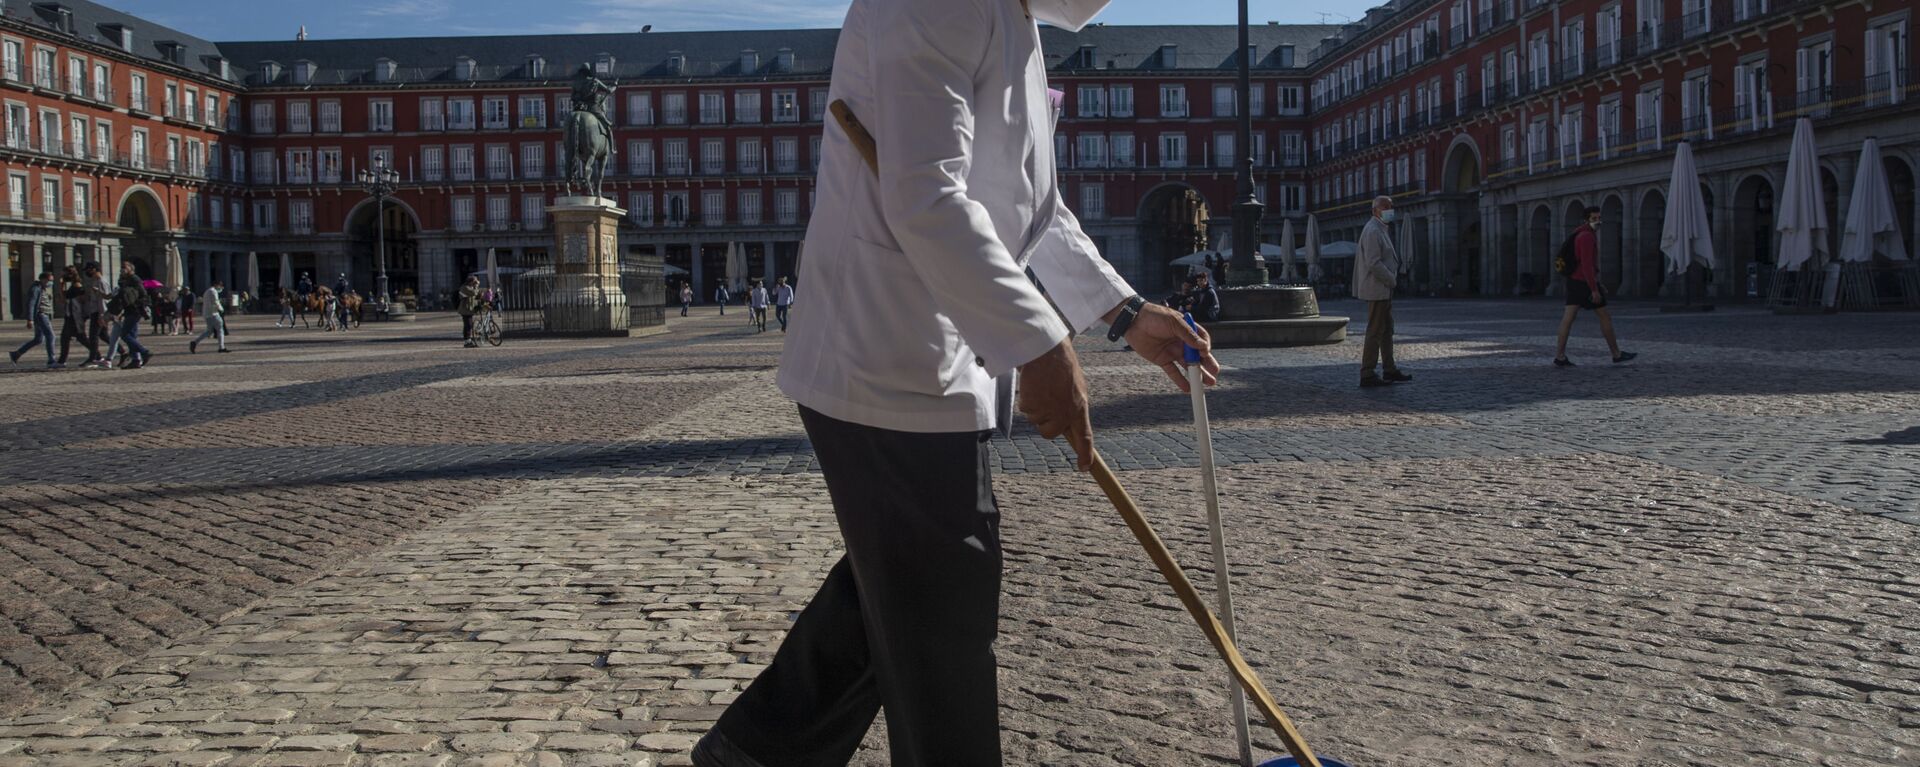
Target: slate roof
<point>91,22</point>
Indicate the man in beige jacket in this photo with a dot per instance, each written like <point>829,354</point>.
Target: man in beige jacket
<point>1375,269</point>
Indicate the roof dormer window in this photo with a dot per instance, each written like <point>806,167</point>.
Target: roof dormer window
<point>303,72</point>
<point>465,68</point>
<point>783,61</point>
<point>1169,57</point>
<point>676,62</point>
<point>384,69</point>
<point>218,66</point>
<point>603,64</point>
<point>749,62</point>
<point>119,35</point>
<point>536,67</point>
<point>269,71</point>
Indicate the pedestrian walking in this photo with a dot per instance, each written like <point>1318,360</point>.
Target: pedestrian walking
<point>757,301</point>
<point>469,305</point>
<point>1206,300</point>
<point>899,400</point>
<point>130,306</point>
<point>1376,269</point>
<point>720,296</point>
<point>186,309</point>
<point>286,309</point>
<point>782,301</point>
<point>40,318</point>
<point>74,326</point>
<point>216,318</point>
<point>1579,261</point>
<point>686,298</point>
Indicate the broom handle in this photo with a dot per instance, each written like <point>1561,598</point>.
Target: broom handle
<point>1297,746</point>
<point>1223,644</point>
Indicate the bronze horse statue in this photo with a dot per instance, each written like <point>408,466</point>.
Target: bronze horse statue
<point>587,134</point>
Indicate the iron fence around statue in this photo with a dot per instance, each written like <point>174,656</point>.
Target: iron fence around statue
<point>526,293</point>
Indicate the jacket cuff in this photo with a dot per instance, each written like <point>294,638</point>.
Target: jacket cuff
<point>999,362</point>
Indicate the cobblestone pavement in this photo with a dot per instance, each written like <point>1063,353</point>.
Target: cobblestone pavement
<point>378,548</point>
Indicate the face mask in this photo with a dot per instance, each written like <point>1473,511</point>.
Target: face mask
<point>1070,15</point>
<point>1386,216</point>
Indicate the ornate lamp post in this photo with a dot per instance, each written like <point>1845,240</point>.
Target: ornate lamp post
<point>380,181</point>
<point>1248,267</point>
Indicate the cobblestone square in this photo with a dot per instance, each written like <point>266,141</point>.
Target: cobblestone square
<point>378,548</point>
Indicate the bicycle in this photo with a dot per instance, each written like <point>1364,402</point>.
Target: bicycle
<point>488,326</point>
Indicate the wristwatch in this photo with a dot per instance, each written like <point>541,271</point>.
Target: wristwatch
<point>1125,320</point>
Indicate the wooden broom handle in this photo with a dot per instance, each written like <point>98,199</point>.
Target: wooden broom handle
<point>1223,644</point>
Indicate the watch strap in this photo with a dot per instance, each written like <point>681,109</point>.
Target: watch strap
<point>1125,321</point>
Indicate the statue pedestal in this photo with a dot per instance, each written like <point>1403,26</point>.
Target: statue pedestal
<point>586,297</point>
<point>1273,315</point>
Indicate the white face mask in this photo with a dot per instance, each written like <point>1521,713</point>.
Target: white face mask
<point>1070,15</point>
<point>1386,216</point>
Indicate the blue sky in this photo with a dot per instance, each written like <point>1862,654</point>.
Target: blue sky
<point>268,20</point>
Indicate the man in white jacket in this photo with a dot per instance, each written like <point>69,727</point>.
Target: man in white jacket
<point>1376,267</point>
<point>216,317</point>
<point>933,242</point>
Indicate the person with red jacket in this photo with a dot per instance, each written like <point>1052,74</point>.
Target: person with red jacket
<point>1583,290</point>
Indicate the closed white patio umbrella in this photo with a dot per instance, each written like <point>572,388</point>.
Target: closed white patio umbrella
<point>1802,216</point>
<point>253,273</point>
<point>176,268</point>
<point>1286,251</point>
<point>1871,227</point>
<point>1313,248</point>
<point>493,269</point>
<point>286,271</point>
<point>1685,237</point>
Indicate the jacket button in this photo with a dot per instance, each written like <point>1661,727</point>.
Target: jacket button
<point>981,361</point>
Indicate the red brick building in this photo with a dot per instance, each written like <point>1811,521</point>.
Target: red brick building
<point>1491,120</point>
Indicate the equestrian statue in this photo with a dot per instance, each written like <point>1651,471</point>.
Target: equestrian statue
<point>588,132</point>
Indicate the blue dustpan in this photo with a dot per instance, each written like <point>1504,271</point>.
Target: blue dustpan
<point>1288,761</point>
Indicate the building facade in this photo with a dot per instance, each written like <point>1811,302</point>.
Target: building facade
<point>1492,121</point>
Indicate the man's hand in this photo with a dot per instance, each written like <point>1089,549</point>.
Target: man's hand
<point>1159,336</point>
<point>1053,395</point>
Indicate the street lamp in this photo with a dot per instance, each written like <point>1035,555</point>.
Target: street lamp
<point>380,181</point>
<point>1248,267</point>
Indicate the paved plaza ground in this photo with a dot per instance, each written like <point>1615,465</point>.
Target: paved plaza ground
<point>379,548</point>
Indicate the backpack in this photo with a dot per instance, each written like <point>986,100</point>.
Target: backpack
<point>1563,260</point>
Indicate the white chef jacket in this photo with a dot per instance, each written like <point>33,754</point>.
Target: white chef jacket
<point>918,276</point>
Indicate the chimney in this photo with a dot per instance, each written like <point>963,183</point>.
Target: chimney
<point>302,36</point>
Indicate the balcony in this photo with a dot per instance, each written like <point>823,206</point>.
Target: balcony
<point>1695,24</point>
<point>137,101</point>
<point>1816,101</point>
<point>1458,35</point>
<point>53,214</point>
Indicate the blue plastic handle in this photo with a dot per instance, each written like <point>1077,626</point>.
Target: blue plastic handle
<point>1193,355</point>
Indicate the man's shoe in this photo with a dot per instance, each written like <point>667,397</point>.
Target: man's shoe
<point>1624,357</point>
<point>1562,362</point>
<point>1374,382</point>
<point>15,356</point>
<point>193,347</point>
<point>714,750</point>
<point>1396,376</point>
<point>224,350</point>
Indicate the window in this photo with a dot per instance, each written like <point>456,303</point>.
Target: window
<point>493,110</point>
<point>263,222</point>
<point>462,163</point>
<point>263,166</point>
<point>1257,100</point>
<point>217,212</point>
<point>331,164</point>
<point>1813,67</point>
<point>170,102</point>
<point>1696,105</point>
<point>677,206</point>
<point>1571,135</point>
<point>1092,101</point>
<point>19,126</point>
<point>713,207</point>
<point>786,151</point>
<point>213,109</point>
<point>750,207</point>
<point>533,159</point>
<point>786,106</point>
<point>263,117</point>
<point>137,92</point>
<point>103,84</point>
<point>460,114</point>
<point>640,110</point>
<point>533,112</point>
<point>499,162</point>
<point>748,155</point>
<point>640,208</point>
<point>675,105</point>
<point>1606,127</point>
<point>1122,103</point>
<point>498,214</point>
<point>786,207</point>
<point>1539,62</point>
<point>300,166</point>
<point>1093,202</point>
<point>1223,150</point>
<point>236,161</point>
<point>713,156</point>
<point>813,152</point>
<point>380,115</point>
<point>12,56</point>
<point>433,163</point>
<point>191,100</point>
<point>77,137</point>
<point>533,209</point>
<point>1886,55</point>
<point>463,214</point>
<point>817,104</point>
<point>1752,95</point>
<point>433,114</point>
<point>299,117</point>
<point>1509,148</point>
<point>1122,150</point>
<point>1173,150</point>
<point>1173,101</point>
<point>1092,151</point>
<point>82,197</point>
<point>746,105</point>
<point>1223,101</point>
<point>103,141</point>
<point>300,216</point>
<point>49,198</point>
<point>640,157</point>
<point>1573,46</point>
<point>676,156</point>
<point>1606,36</point>
<point>1293,198</point>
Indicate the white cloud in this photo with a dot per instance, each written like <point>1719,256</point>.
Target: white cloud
<point>677,15</point>
<point>410,9</point>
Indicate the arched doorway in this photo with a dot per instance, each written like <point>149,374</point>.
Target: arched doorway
<point>363,249</point>
<point>1652,263</point>
<point>1533,277</point>
<point>1173,223</point>
<point>1612,228</point>
<point>1460,213</point>
<point>1900,183</point>
<point>1750,256</point>
<point>146,247</point>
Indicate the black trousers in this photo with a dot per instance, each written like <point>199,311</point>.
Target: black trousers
<point>906,620</point>
<point>70,331</point>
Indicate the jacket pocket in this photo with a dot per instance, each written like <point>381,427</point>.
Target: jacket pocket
<point>890,327</point>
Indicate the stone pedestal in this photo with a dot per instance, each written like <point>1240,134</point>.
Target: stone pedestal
<point>586,297</point>
<point>1273,315</point>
